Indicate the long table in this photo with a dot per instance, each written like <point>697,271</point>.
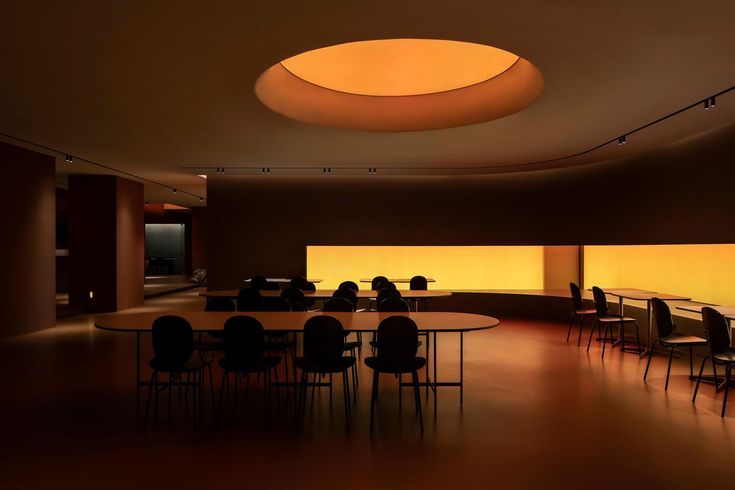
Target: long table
<point>327,293</point>
<point>398,279</point>
<point>201,321</point>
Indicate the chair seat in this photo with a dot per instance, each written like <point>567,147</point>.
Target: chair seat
<point>616,319</point>
<point>680,339</point>
<point>586,311</point>
<point>381,366</point>
<point>194,364</point>
<point>263,364</point>
<point>342,364</point>
<point>727,356</point>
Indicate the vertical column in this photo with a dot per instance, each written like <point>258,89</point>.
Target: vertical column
<point>27,214</point>
<point>106,242</point>
<point>198,238</point>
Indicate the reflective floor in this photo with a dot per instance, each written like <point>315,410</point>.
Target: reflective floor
<point>537,412</point>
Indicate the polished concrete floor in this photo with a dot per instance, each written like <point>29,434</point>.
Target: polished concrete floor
<point>538,413</point>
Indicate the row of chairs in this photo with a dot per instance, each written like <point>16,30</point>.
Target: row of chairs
<point>246,352</point>
<point>716,329</point>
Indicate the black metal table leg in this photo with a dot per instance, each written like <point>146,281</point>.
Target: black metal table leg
<point>137,373</point>
<point>461,368</point>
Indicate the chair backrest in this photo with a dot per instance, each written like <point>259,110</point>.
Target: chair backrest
<point>173,341</point>
<point>716,328</point>
<point>398,338</point>
<point>219,304</point>
<point>249,299</point>
<point>418,283</point>
<point>276,304</point>
<point>295,297</point>
<point>298,281</point>
<point>270,286</point>
<point>244,340</point>
<point>387,285</point>
<point>324,340</point>
<point>394,304</point>
<point>662,318</point>
<point>576,296</point>
<point>258,282</point>
<point>600,301</point>
<point>351,285</point>
<point>377,281</point>
<point>338,304</point>
<point>308,286</point>
<point>386,293</point>
<point>348,294</point>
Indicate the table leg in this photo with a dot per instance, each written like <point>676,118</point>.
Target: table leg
<point>621,330</point>
<point>434,380</point>
<point>461,368</point>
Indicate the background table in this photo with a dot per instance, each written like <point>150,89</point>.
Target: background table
<point>283,280</point>
<point>400,279</point>
<point>327,293</point>
<point>209,321</point>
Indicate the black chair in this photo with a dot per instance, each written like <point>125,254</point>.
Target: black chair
<point>280,341</point>
<point>258,282</point>
<point>668,337</point>
<point>351,285</point>
<point>579,312</point>
<point>604,317</point>
<point>298,281</point>
<point>215,304</point>
<point>337,304</point>
<point>244,345</point>
<point>393,304</point>
<point>419,283</point>
<point>249,299</point>
<point>173,348</point>
<point>270,286</point>
<point>271,303</point>
<point>323,349</point>
<point>397,342</point>
<point>308,286</point>
<point>717,331</point>
<point>377,282</point>
<point>295,298</point>
<point>348,294</point>
<point>385,293</point>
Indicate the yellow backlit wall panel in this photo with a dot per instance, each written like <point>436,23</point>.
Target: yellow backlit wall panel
<point>455,267</point>
<point>702,272</point>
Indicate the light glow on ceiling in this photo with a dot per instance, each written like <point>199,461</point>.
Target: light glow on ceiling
<point>396,67</point>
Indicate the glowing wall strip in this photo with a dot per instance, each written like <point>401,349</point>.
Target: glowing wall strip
<point>455,267</point>
<point>703,272</point>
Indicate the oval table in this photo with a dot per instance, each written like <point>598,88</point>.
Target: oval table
<point>327,293</point>
<point>283,280</point>
<point>209,321</point>
<point>399,279</point>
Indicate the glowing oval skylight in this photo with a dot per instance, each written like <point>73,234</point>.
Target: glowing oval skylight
<point>395,67</point>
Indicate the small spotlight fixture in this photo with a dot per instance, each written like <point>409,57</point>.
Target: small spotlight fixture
<point>712,103</point>
<point>69,159</point>
<point>621,140</point>
<point>372,171</point>
<point>201,199</point>
<point>173,190</point>
<point>266,171</point>
<point>327,170</point>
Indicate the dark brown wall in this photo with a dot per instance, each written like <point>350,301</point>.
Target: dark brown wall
<point>679,194</point>
<point>106,242</point>
<point>27,208</point>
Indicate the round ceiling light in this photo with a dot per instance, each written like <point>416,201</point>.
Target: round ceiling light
<point>400,85</point>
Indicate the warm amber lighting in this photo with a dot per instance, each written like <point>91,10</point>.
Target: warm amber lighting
<point>393,67</point>
<point>453,267</point>
<point>702,272</point>
<point>400,85</point>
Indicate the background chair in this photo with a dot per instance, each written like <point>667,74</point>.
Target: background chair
<point>173,348</point>
<point>348,294</point>
<point>419,283</point>
<point>667,337</point>
<point>337,305</point>
<point>351,285</point>
<point>298,281</point>
<point>579,312</point>
<point>244,346</point>
<point>377,282</point>
<point>258,282</point>
<point>393,304</point>
<point>295,298</point>
<point>397,343</point>
<point>249,299</point>
<point>215,304</point>
<point>716,329</point>
<point>604,317</point>
<point>323,349</point>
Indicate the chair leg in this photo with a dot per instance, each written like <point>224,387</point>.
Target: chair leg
<point>373,398</point>
<point>699,379</point>
<point>278,391</point>
<point>604,340</point>
<point>151,387</point>
<point>595,324</point>
<point>225,375</point>
<point>417,398</point>
<point>581,327</point>
<point>571,323</point>
<point>637,336</point>
<point>346,398</point>
<point>668,371</point>
<point>691,361</point>
<point>727,388</point>
<point>211,384</point>
<point>650,356</point>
